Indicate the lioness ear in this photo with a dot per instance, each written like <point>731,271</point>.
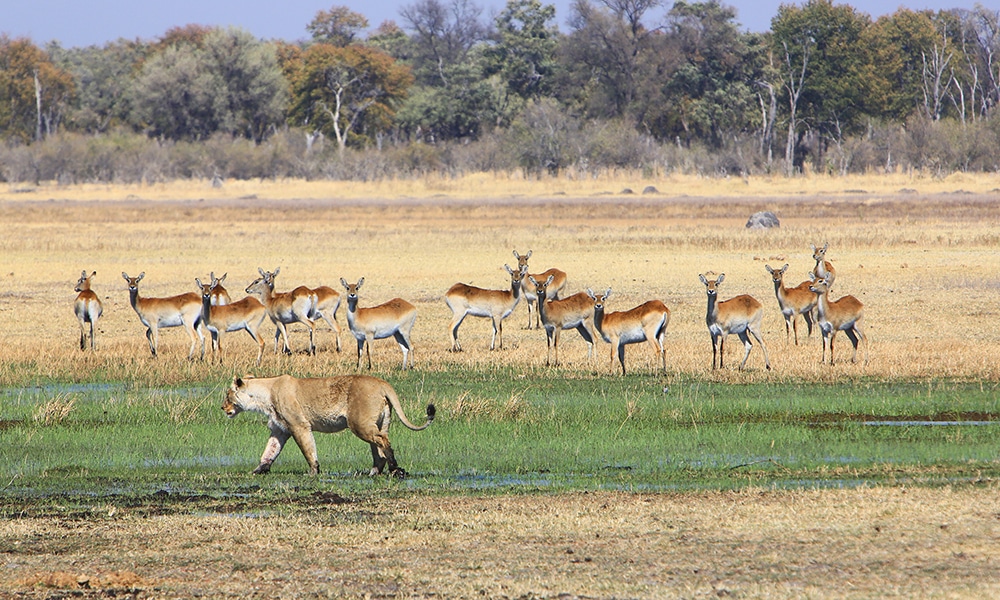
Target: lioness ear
<point>237,382</point>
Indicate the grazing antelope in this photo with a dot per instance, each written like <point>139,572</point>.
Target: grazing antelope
<point>558,283</point>
<point>793,302</point>
<point>740,315</point>
<point>575,312</point>
<point>497,305</point>
<point>219,294</point>
<point>325,300</point>
<point>88,308</point>
<point>845,314</point>
<point>395,318</point>
<point>246,314</point>
<point>285,308</point>
<point>823,268</point>
<point>175,311</point>
<point>644,323</point>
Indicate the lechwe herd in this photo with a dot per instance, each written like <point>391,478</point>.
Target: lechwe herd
<point>213,310</point>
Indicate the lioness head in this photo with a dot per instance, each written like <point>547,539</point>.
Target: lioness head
<point>231,404</point>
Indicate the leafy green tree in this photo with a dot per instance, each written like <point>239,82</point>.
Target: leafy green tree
<point>391,39</point>
<point>251,92</point>
<point>524,53</point>
<point>453,96</point>
<point>457,110</point>
<point>174,95</point>
<point>35,91</point>
<point>710,95</point>
<point>609,54</point>
<point>443,36</point>
<point>902,43</point>
<point>827,70</point>
<point>975,86</point>
<point>350,92</point>
<point>339,26</point>
<point>227,81</point>
<point>103,76</point>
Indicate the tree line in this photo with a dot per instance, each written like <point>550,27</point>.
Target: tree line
<point>632,84</point>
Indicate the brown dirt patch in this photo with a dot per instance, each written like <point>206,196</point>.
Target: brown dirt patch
<point>859,543</point>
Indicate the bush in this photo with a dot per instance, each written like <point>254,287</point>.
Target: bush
<point>544,138</point>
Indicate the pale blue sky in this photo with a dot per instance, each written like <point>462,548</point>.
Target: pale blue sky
<point>86,22</point>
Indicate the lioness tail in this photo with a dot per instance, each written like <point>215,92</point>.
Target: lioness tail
<point>394,401</point>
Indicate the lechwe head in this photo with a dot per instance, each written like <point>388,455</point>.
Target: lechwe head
<point>644,323</point>
<point>496,305</point>
<point>87,307</point>
<point>554,288</point>
<point>845,314</point>
<point>793,302</point>
<point>394,318</point>
<point>741,315</point>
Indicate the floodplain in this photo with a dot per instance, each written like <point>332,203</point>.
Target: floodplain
<point>534,481</point>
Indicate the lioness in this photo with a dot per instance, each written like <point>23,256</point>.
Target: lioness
<point>298,407</point>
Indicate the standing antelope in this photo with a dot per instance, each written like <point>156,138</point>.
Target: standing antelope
<point>823,268</point>
<point>558,283</point>
<point>246,314</point>
<point>325,302</point>
<point>219,294</point>
<point>644,323</point>
<point>175,311</point>
<point>88,308</point>
<point>575,312</point>
<point>793,302</point>
<point>395,318</point>
<point>497,305</point>
<point>285,308</point>
<point>845,314</point>
<point>740,315</point>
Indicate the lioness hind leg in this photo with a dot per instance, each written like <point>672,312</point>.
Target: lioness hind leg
<point>382,457</point>
<point>378,460</point>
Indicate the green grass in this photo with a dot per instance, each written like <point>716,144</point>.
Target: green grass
<point>504,429</point>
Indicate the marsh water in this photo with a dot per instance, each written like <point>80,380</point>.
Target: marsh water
<point>121,440</point>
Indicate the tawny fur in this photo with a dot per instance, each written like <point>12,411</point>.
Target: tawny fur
<point>88,308</point>
<point>247,314</point>
<point>845,314</point>
<point>741,315</point>
<point>285,308</point>
<point>558,283</point>
<point>393,318</point>
<point>298,407</point>
<point>496,305</point>
<point>644,323</point>
<point>183,310</point>
<point>793,302</point>
<point>575,312</point>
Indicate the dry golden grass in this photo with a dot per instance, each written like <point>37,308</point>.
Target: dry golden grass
<point>499,186</point>
<point>923,265</point>
<point>861,543</point>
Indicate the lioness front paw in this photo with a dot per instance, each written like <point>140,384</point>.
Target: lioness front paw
<point>263,469</point>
